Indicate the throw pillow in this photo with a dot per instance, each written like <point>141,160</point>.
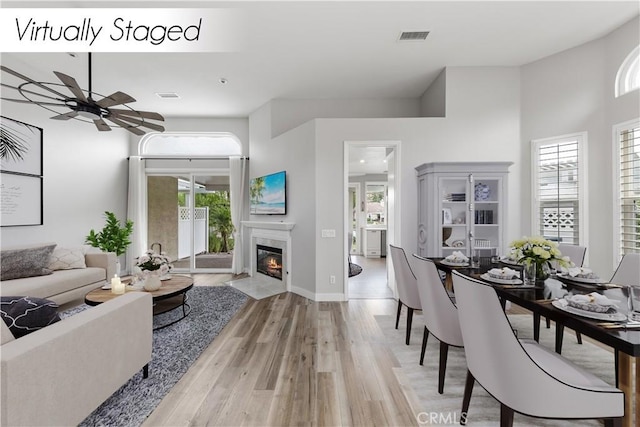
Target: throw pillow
<point>66,259</point>
<point>24,315</point>
<point>27,262</point>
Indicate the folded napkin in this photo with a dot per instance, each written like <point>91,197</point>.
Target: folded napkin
<point>592,298</point>
<point>581,272</point>
<point>457,256</point>
<point>503,273</point>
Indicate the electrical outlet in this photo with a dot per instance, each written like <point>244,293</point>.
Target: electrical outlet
<point>332,279</point>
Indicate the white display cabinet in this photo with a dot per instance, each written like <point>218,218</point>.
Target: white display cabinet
<point>462,206</point>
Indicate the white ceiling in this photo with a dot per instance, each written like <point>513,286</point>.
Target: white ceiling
<point>330,49</point>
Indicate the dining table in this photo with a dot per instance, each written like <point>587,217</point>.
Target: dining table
<point>544,299</point>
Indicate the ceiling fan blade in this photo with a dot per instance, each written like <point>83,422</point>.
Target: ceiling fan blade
<point>134,113</point>
<point>72,84</point>
<point>26,101</point>
<point>65,116</point>
<point>116,98</point>
<point>25,78</point>
<point>126,126</point>
<point>142,123</point>
<point>102,125</point>
<point>31,92</point>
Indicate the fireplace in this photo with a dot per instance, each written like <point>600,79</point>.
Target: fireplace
<point>269,261</point>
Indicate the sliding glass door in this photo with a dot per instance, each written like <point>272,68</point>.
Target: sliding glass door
<point>189,219</point>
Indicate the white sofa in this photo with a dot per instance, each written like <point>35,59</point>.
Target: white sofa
<point>66,285</point>
<point>58,375</point>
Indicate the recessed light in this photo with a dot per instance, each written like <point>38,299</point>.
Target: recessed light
<point>223,81</point>
<point>362,161</point>
<point>167,95</point>
<point>384,161</point>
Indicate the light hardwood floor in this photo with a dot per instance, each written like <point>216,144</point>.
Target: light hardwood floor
<point>286,360</point>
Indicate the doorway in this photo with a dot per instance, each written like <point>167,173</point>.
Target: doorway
<point>371,196</point>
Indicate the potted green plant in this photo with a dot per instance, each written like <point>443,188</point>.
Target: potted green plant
<point>113,237</point>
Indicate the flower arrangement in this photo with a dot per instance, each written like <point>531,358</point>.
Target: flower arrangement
<point>538,250</point>
<point>152,261</point>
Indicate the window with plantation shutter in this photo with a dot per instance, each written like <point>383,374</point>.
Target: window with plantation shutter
<point>628,177</point>
<point>558,186</point>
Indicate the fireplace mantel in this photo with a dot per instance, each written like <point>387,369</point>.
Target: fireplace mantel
<point>267,225</point>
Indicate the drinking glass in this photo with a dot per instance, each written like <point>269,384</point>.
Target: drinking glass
<point>475,258</point>
<point>529,273</point>
<point>633,303</point>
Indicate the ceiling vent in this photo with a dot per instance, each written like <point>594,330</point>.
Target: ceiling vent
<point>413,36</point>
<point>167,95</point>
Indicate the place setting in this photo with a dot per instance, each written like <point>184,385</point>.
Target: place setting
<point>504,276</point>
<point>456,259</point>
<point>580,275</point>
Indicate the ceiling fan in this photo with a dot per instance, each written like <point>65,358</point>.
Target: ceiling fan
<point>81,104</point>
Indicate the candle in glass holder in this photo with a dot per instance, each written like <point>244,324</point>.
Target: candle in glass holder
<point>117,287</point>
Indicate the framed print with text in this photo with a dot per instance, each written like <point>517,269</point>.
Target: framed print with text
<point>20,199</point>
<point>21,173</point>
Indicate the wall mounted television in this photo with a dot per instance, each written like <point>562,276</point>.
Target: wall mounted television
<point>268,194</point>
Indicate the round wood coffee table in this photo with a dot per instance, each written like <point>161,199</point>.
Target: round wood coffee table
<point>171,295</point>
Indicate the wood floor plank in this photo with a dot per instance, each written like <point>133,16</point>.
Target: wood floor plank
<point>286,360</point>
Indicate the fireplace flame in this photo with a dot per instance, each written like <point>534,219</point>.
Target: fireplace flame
<point>274,264</point>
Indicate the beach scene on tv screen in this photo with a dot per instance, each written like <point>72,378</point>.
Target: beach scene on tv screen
<point>268,194</point>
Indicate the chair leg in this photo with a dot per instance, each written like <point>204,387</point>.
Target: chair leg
<point>613,422</point>
<point>444,352</point>
<point>398,315</point>
<point>409,322</point>
<point>548,323</point>
<point>466,399</point>
<point>425,337</point>
<point>145,371</point>
<point>506,416</point>
<point>579,337</point>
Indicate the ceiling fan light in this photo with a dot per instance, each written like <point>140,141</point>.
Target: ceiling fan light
<point>88,112</point>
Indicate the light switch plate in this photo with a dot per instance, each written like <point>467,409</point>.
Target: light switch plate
<point>328,233</point>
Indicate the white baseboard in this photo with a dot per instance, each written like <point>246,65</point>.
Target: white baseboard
<point>317,297</point>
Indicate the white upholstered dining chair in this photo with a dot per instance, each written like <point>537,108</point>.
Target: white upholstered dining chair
<point>407,287</point>
<point>522,375</point>
<point>628,271</point>
<point>439,312</point>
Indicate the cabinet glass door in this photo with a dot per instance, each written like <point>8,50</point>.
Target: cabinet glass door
<point>454,219</point>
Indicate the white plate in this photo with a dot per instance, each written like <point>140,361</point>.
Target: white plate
<point>509,261</point>
<point>165,277</point>
<point>106,287</point>
<point>580,279</point>
<point>614,317</point>
<point>455,264</point>
<point>488,278</point>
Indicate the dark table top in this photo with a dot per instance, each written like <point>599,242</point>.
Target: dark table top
<point>539,300</point>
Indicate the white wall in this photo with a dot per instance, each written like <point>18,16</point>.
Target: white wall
<point>573,91</point>
<point>433,102</point>
<point>293,152</point>
<point>483,107</point>
<point>288,113</point>
<point>85,174</point>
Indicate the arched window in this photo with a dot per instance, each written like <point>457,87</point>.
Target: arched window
<point>628,77</point>
<point>189,144</point>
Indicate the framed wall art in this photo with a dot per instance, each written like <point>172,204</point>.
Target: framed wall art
<point>20,147</point>
<point>21,173</point>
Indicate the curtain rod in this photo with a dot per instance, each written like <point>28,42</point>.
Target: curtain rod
<point>192,158</point>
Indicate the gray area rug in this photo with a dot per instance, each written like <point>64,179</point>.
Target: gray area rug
<point>175,348</point>
<point>484,410</point>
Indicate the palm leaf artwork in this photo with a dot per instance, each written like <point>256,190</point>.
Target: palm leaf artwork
<point>13,144</point>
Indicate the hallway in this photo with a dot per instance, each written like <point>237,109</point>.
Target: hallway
<point>372,282</point>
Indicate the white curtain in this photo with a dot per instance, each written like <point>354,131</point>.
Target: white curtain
<point>238,183</point>
<point>137,209</point>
